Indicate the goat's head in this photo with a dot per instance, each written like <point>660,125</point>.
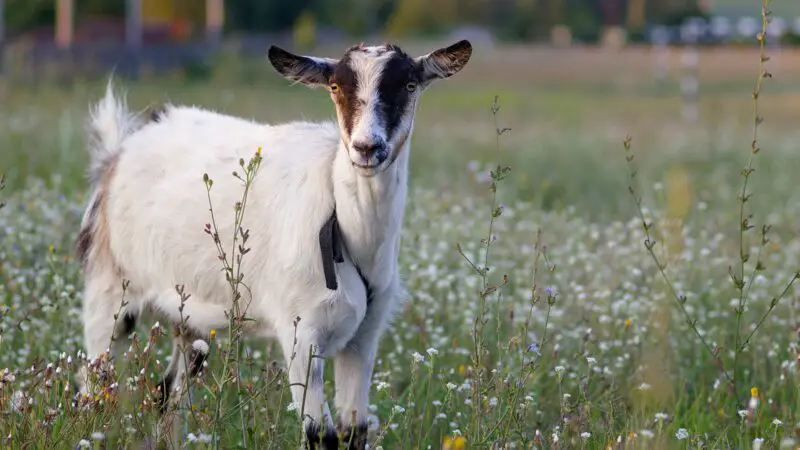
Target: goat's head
<point>375,90</point>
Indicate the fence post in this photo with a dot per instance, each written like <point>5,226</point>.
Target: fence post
<point>215,17</point>
<point>660,38</point>
<point>2,38</point>
<point>690,84</point>
<point>133,33</point>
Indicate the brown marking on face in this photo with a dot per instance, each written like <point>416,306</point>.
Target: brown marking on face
<point>346,95</point>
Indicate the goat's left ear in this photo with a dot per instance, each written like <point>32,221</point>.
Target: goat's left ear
<point>306,70</point>
<point>445,62</point>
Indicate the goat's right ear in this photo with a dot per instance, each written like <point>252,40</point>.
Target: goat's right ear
<point>306,70</point>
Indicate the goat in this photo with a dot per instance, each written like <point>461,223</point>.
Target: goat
<point>324,211</point>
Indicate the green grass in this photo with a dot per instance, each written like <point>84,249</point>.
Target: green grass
<point>584,343</point>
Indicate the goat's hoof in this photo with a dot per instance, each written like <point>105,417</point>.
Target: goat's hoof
<point>316,439</point>
<point>355,437</point>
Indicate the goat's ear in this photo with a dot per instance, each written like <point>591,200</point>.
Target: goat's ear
<point>445,62</point>
<point>306,70</point>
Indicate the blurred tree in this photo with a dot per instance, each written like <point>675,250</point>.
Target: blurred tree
<point>100,7</point>
<point>25,14</point>
<point>263,15</point>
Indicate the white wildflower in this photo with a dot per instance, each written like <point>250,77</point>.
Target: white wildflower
<point>586,435</point>
<point>417,357</point>
<point>201,346</point>
<point>681,434</point>
<point>432,351</point>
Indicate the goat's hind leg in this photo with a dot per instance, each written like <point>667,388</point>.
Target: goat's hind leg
<point>108,319</point>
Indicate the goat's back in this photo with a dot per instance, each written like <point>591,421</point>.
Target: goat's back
<point>158,206</point>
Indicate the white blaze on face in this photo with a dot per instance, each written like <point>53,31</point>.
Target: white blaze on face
<point>369,128</point>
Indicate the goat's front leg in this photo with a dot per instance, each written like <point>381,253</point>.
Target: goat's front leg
<point>353,367</point>
<point>301,348</point>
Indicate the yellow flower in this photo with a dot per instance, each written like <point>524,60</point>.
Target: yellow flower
<point>461,369</point>
<point>51,249</point>
<point>627,323</point>
<point>454,443</point>
<point>753,391</point>
<point>213,333</point>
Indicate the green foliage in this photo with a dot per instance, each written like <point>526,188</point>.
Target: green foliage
<point>21,15</point>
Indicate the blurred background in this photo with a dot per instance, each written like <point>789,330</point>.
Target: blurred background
<point>95,34</point>
<point>572,78</point>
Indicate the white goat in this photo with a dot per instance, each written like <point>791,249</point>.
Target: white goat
<point>146,216</point>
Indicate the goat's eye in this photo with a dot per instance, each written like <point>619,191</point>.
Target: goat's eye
<point>411,86</point>
<point>334,88</point>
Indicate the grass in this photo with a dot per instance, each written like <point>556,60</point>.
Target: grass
<point>573,336</point>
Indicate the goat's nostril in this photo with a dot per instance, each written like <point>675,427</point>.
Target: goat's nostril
<point>366,148</point>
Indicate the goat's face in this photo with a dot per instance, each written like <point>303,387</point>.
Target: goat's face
<point>375,90</point>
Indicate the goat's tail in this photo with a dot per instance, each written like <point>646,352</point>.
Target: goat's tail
<point>110,122</point>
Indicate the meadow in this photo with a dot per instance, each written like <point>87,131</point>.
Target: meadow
<point>608,290</point>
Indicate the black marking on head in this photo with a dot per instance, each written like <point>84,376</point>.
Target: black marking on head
<point>314,437</point>
<point>346,97</point>
<point>165,387</point>
<point>393,93</point>
<point>301,69</point>
<point>128,323</point>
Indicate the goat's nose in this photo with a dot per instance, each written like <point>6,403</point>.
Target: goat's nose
<point>366,148</point>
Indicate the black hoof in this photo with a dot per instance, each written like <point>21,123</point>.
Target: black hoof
<point>317,439</point>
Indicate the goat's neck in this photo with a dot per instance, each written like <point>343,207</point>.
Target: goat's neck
<point>370,210</point>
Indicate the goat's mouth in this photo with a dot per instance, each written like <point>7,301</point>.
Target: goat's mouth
<point>368,170</point>
<point>370,165</point>
<point>366,166</point>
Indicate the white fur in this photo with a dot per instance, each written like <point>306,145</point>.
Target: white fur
<point>157,209</point>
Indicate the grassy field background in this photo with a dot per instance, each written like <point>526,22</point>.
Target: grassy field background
<point>586,346</point>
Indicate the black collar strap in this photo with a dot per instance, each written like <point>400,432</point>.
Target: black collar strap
<point>330,245</point>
